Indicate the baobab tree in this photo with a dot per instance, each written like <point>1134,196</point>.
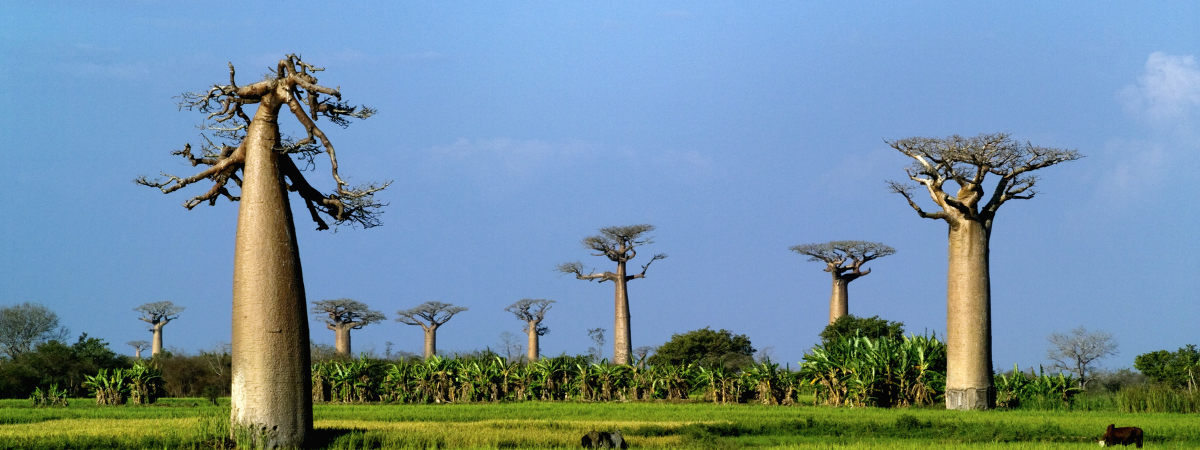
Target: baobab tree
<point>969,212</point>
<point>618,244</point>
<point>271,391</point>
<point>138,346</point>
<point>158,315</point>
<point>844,260</point>
<point>532,311</point>
<point>342,315</point>
<point>430,316</point>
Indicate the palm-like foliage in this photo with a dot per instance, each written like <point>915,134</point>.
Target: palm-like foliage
<point>1016,387</point>
<point>859,371</point>
<point>492,379</point>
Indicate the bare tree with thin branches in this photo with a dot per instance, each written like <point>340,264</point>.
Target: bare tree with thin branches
<point>939,164</point>
<point>23,326</point>
<point>158,314</point>
<point>248,160</point>
<point>342,315</point>
<point>1075,352</point>
<point>618,244</point>
<point>532,312</point>
<point>844,260</point>
<point>430,316</point>
<point>138,346</point>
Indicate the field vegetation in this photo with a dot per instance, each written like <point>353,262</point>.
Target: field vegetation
<point>196,424</point>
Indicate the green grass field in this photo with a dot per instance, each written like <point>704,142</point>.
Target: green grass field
<point>193,423</point>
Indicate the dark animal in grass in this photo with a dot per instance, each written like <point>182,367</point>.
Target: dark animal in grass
<point>601,439</point>
<point>1123,436</point>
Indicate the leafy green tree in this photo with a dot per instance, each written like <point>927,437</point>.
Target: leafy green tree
<point>1178,369</point>
<point>706,348</point>
<point>870,327</point>
<point>54,362</point>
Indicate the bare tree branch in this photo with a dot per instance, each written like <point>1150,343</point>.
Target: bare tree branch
<point>429,314</point>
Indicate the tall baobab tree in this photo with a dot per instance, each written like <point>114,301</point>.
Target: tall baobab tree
<point>532,311</point>
<point>619,244</point>
<point>271,371</point>
<point>342,315</point>
<point>138,346</point>
<point>844,260</point>
<point>969,212</point>
<point>430,316</point>
<point>158,314</point>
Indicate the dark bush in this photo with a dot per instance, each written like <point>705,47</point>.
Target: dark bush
<point>871,328</point>
<point>706,348</point>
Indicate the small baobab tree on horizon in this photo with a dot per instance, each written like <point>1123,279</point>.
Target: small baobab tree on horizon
<point>342,315</point>
<point>844,260</point>
<point>138,346</point>
<point>158,315</point>
<point>430,316</point>
<point>251,162</point>
<point>940,165</point>
<point>532,312</point>
<point>618,244</point>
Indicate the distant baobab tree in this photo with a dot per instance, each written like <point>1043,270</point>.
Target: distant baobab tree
<point>342,315</point>
<point>618,244</point>
<point>158,314</point>
<point>532,312</point>
<point>252,162</point>
<point>138,346</point>
<point>430,316</point>
<point>965,162</point>
<point>844,260</point>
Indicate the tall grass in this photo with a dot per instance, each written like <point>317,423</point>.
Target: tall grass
<point>560,424</point>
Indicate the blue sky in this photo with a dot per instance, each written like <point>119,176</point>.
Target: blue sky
<point>513,130</point>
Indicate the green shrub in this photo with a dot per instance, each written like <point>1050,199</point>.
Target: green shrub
<point>861,371</point>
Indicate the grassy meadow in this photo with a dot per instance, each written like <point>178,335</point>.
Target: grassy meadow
<point>196,424</point>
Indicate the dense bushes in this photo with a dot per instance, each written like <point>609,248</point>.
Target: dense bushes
<point>55,363</point>
<point>1179,369</point>
<point>705,348</point>
<point>869,327</point>
<point>471,379</point>
<point>861,371</point>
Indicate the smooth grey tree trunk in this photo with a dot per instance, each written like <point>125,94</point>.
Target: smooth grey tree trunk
<point>622,347</point>
<point>430,341</point>
<point>341,338</point>
<point>532,353</point>
<point>969,383</point>
<point>272,383</point>
<point>839,299</point>
<point>156,346</point>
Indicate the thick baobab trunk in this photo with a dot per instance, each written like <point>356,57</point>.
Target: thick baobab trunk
<point>430,341</point>
<point>156,346</point>
<point>341,338</point>
<point>137,353</point>
<point>532,354</point>
<point>622,347</point>
<point>839,300</point>
<point>272,383</point>
<point>969,319</point>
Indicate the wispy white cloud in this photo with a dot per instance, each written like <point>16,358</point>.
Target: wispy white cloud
<point>1165,98</point>
<point>507,162</point>
<point>1167,92</point>
<point>512,158</point>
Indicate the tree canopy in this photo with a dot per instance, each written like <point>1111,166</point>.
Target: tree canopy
<point>1177,369</point>
<point>344,311</point>
<point>706,348</point>
<point>24,326</point>
<point>156,312</point>
<point>870,327</point>
<point>429,314</point>
<point>967,161</point>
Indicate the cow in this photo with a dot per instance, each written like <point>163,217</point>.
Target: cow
<point>1123,436</point>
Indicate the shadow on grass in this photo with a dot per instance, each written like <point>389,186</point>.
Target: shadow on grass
<point>326,437</point>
